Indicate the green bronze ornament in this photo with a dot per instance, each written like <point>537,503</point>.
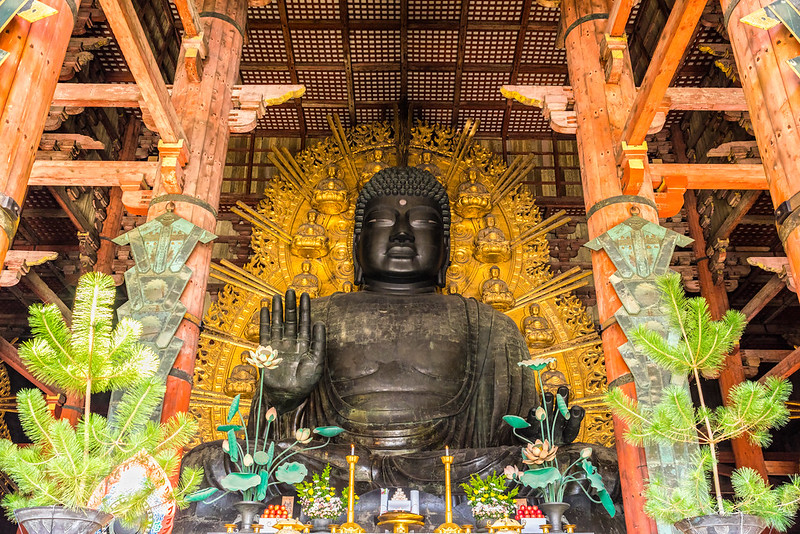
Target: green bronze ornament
<point>155,283</point>
<point>641,251</point>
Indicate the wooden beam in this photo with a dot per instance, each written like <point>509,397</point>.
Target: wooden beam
<point>676,98</point>
<point>763,297</point>
<point>785,368</point>
<point>47,295</point>
<point>98,95</point>
<point>18,263</point>
<point>764,355</point>
<point>671,45</point>
<point>9,354</point>
<point>618,17</point>
<point>190,19</point>
<point>82,224</point>
<point>732,374</point>
<point>129,175</point>
<point>460,54</point>
<point>735,216</point>
<point>344,15</point>
<point>712,175</point>
<point>127,30</point>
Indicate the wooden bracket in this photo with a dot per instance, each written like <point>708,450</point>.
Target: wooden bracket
<point>173,157</point>
<point>250,102</point>
<point>669,195</point>
<point>195,51</point>
<point>612,56</point>
<point>137,202</point>
<point>778,265</point>
<point>632,159</point>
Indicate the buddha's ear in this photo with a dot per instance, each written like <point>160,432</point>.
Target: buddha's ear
<point>358,273</point>
<point>441,277</point>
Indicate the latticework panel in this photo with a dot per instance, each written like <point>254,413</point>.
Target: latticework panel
<point>324,85</point>
<point>373,9</point>
<point>375,46</point>
<point>377,85</point>
<point>317,46</point>
<point>264,45</point>
<point>540,49</point>
<point>483,85</point>
<point>490,46</point>
<point>492,10</point>
<point>527,120</point>
<point>435,86</point>
<point>439,46</point>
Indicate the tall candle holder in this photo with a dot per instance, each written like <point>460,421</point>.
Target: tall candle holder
<point>448,527</point>
<point>351,527</point>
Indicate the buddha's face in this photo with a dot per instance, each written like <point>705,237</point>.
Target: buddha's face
<point>402,240</point>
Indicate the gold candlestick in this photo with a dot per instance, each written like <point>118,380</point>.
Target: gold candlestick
<point>448,527</point>
<point>351,527</point>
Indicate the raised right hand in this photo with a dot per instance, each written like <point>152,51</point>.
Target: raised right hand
<point>302,351</point>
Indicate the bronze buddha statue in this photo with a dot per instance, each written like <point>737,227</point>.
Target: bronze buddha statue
<point>403,368</point>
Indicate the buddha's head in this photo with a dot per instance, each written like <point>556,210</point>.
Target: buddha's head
<point>401,240</point>
<point>378,154</point>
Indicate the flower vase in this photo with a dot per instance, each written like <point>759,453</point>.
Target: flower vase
<point>61,520</point>
<point>249,510</point>
<point>320,524</point>
<point>554,512</point>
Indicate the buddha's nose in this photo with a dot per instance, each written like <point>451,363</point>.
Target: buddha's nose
<point>402,232</point>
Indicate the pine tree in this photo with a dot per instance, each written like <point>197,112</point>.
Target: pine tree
<point>752,410</point>
<point>64,465</point>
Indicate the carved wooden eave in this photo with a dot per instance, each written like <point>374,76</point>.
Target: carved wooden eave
<point>18,263</point>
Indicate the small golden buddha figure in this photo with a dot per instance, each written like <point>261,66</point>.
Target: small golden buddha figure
<point>428,165</point>
<point>473,200</point>
<point>452,289</point>
<point>552,378</point>
<point>330,195</point>
<point>242,380</point>
<point>310,240</point>
<point>305,282</point>
<point>495,292</point>
<point>347,287</point>
<point>372,167</point>
<point>538,332</point>
<point>491,245</point>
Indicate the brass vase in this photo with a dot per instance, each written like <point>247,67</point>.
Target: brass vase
<point>554,512</point>
<point>249,510</point>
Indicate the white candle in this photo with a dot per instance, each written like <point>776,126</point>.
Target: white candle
<point>446,450</point>
<point>352,449</point>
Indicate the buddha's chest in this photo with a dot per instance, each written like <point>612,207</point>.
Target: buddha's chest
<point>398,345</point>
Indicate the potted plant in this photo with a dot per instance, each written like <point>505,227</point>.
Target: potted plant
<point>320,502</point>
<point>489,498</point>
<point>546,473</point>
<point>752,410</point>
<point>64,467</point>
<point>258,465</point>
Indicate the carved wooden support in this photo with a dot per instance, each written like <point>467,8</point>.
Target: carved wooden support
<point>173,157</point>
<point>137,201</point>
<point>778,265</point>
<point>669,195</point>
<point>717,252</point>
<point>632,160</point>
<point>18,263</point>
<point>737,152</point>
<point>612,56</point>
<point>742,118</point>
<point>57,115</point>
<point>79,55</point>
<point>195,51</point>
<point>251,101</point>
<point>724,58</point>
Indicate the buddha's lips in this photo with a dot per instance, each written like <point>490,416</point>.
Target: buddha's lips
<point>402,251</point>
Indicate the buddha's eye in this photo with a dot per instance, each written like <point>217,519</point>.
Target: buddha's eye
<point>424,217</point>
<point>380,218</point>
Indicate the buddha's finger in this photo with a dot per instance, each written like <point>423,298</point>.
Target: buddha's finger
<point>277,318</point>
<point>304,329</point>
<point>573,426</point>
<point>318,341</point>
<point>290,319</point>
<point>263,325</point>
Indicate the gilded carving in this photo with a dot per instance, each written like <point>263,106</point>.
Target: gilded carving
<point>506,244</point>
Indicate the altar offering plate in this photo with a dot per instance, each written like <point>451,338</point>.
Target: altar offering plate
<point>401,521</point>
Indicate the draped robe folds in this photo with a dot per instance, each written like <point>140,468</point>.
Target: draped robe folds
<point>459,378</point>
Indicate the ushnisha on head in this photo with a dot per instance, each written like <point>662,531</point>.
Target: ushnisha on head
<point>402,231</point>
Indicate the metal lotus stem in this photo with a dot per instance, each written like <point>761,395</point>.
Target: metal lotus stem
<point>448,527</point>
<point>351,527</point>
